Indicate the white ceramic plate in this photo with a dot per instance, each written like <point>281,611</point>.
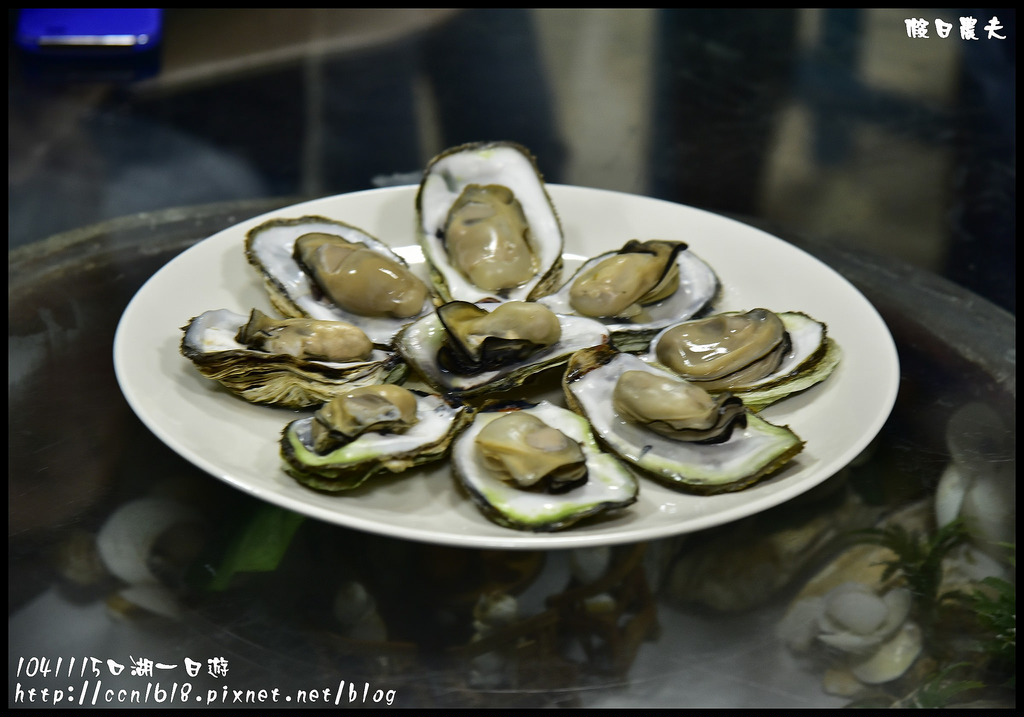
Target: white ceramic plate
<point>237,442</point>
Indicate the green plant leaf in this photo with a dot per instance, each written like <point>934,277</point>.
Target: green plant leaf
<point>258,546</point>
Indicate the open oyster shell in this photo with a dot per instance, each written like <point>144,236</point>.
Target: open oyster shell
<point>502,164</point>
<point>811,357</point>
<point>750,453</point>
<point>269,247</point>
<point>698,285</point>
<point>350,465</point>
<point>420,343</point>
<point>277,379</point>
<point>609,484</point>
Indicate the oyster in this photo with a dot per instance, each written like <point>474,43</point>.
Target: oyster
<point>638,290</point>
<point>293,363</point>
<point>523,449</point>
<point>487,226</point>
<point>466,349</point>
<point>337,341</point>
<point>719,460</point>
<point>538,467</point>
<point>371,430</point>
<point>487,238</point>
<point>358,279</point>
<point>677,409</point>
<point>481,340</point>
<point>379,408</point>
<point>758,355</point>
<point>325,269</point>
<point>619,286</point>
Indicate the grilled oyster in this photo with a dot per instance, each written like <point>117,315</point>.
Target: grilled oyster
<point>487,226</point>
<point>370,430</point>
<point>325,269</point>
<point>758,355</point>
<point>638,290</point>
<point>538,468</point>
<point>293,363</point>
<point>713,449</point>
<point>466,349</point>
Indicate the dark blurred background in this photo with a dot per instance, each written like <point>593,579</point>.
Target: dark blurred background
<point>834,124</point>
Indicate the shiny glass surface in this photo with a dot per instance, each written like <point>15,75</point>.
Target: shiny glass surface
<point>887,156</point>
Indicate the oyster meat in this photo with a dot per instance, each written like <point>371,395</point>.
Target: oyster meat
<point>321,268</point>
<point>379,408</point>
<point>531,453</point>
<point>487,226</point>
<point>358,279</point>
<point>481,340</point>
<point>638,290</point>
<point>466,349</point>
<point>537,467</point>
<point>369,430</point>
<point>336,341</point>
<point>619,286</point>
<point>488,239</point>
<point>759,355</point>
<point>293,363</point>
<point>675,433</point>
<point>677,409</point>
